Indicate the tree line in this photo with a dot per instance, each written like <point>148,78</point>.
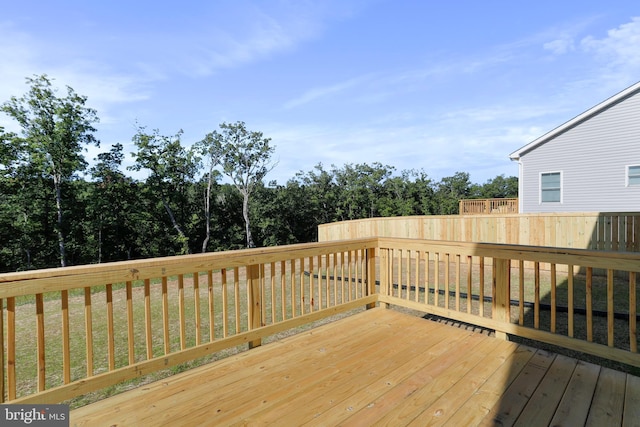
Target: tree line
<point>57,210</point>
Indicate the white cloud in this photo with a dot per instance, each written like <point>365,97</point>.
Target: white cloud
<point>618,55</point>
<point>323,92</point>
<point>621,46</point>
<point>258,34</point>
<point>560,46</point>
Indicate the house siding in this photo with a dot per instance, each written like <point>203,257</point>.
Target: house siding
<point>592,157</point>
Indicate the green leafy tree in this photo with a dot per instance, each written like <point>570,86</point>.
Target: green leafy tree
<point>245,157</point>
<point>499,187</point>
<point>422,189</point>
<point>210,149</point>
<point>111,203</point>
<point>320,191</point>
<point>361,187</point>
<point>449,191</point>
<point>284,214</point>
<point>55,132</point>
<point>172,169</point>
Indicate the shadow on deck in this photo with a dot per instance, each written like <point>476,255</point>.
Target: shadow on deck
<point>381,367</point>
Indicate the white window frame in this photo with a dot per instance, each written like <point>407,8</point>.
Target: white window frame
<point>540,186</point>
<point>628,174</point>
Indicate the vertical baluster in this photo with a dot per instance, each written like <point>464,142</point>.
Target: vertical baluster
<point>236,295</point>
<point>263,301</point>
<point>570,319</point>
<point>408,274</point>
<point>553,298</point>
<point>589,303</point>
<point>401,273</point>
<point>165,316</point>
<point>350,275</point>
<point>283,289</point>
<point>311,284</point>
<point>633,338</point>
<point>225,304</point>
<point>536,305</point>
<point>335,279</point>
<point>66,338</point>
<point>521,292</point>
<point>427,276</point>
<point>457,282</point>
<point>111,350</point>
<point>11,348</point>
<point>327,279</point>
<point>40,341</point>
<point>446,280</point>
<point>130,335</point>
<point>196,306</point>
<point>148,331</point>
<point>181,313</point>
<point>88,331</point>
<point>417,274</point>
<point>303,299</point>
<point>342,281</point>
<point>320,282</point>
<point>292,279</point>
<point>469,283</point>
<point>610,308</point>
<point>436,281</point>
<point>273,292</point>
<point>481,286</point>
<point>212,323</point>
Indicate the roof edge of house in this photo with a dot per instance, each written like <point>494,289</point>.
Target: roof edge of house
<point>625,93</point>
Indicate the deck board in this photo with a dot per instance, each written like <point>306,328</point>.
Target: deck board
<point>380,367</point>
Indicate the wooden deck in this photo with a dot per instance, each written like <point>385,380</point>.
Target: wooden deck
<point>381,367</point>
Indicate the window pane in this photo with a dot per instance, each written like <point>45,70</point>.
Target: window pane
<point>550,180</point>
<point>551,195</point>
<point>550,187</point>
<point>634,175</point>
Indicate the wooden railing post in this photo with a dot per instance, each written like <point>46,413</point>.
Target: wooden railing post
<point>255,303</point>
<point>501,293</point>
<point>384,275</point>
<point>371,275</point>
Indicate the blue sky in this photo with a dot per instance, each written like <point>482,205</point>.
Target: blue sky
<point>433,85</point>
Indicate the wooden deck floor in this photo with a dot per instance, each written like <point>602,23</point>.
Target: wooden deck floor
<point>381,367</point>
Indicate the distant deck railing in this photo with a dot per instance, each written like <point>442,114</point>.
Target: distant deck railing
<point>488,206</point>
<point>73,330</point>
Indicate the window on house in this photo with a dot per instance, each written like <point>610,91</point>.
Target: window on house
<point>633,175</point>
<point>550,187</point>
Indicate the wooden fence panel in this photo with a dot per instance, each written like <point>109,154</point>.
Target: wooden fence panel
<point>598,231</point>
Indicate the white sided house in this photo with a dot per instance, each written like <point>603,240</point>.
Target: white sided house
<point>589,164</point>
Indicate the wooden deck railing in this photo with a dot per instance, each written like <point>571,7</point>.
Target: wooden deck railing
<point>559,301</point>
<point>73,330</point>
<point>488,206</point>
